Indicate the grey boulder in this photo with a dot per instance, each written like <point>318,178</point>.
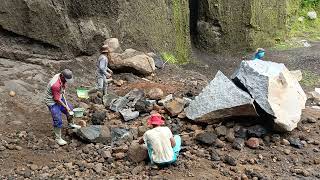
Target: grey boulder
<point>220,99</point>
<point>108,99</point>
<point>128,114</point>
<point>95,134</point>
<point>120,136</point>
<point>127,101</point>
<point>274,89</point>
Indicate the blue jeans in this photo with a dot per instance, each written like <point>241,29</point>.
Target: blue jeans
<point>56,113</point>
<point>176,150</point>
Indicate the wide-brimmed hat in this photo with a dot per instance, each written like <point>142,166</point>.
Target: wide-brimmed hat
<point>105,49</point>
<point>156,119</point>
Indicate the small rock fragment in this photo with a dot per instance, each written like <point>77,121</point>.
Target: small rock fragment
<point>137,170</point>
<point>311,120</point>
<point>252,143</point>
<point>214,155</point>
<point>155,93</point>
<point>33,167</point>
<point>296,142</point>
<point>287,151</point>
<point>230,135</point>
<point>128,114</point>
<point>168,98</point>
<point>98,167</point>
<point>221,131</point>
<point>175,106</point>
<point>285,142</point>
<point>219,143</point>
<point>137,153</point>
<point>12,93</point>
<point>207,138</point>
<point>106,154</point>
<point>257,131</point>
<point>230,160</point>
<point>238,144</point>
<point>120,155</point>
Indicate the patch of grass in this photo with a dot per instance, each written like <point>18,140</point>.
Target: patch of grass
<point>307,29</point>
<point>310,78</point>
<point>289,44</point>
<point>170,58</point>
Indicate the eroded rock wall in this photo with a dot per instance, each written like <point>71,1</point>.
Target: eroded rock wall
<point>238,25</point>
<point>80,26</point>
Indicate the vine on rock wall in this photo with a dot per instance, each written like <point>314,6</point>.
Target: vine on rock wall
<point>181,21</point>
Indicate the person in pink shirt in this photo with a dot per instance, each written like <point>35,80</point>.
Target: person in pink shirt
<point>57,104</point>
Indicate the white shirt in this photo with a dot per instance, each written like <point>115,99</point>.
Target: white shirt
<point>159,138</point>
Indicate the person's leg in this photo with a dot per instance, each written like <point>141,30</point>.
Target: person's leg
<point>57,123</point>
<point>100,83</point>
<point>56,115</point>
<point>150,152</point>
<point>177,147</point>
<point>105,85</point>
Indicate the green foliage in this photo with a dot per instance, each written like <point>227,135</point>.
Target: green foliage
<point>310,78</point>
<point>181,22</point>
<point>170,58</point>
<point>308,29</point>
<point>289,44</point>
<point>310,3</point>
<point>301,29</point>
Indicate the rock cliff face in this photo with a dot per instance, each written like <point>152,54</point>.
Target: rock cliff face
<point>241,24</point>
<point>80,27</point>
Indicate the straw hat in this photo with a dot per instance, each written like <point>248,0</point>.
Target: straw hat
<point>104,49</point>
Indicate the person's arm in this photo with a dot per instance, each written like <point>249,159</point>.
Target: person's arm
<point>173,142</point>
<point>110,71</point>
<point>144,138</point>
<point>107,63</point>
<point>141,141</point>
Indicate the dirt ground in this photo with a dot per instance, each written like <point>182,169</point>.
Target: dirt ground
<point>26,112</point>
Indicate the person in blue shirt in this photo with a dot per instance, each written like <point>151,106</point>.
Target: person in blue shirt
<point>259,54</point>
<point>103,72</point>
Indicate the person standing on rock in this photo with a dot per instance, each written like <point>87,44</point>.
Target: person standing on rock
<point>163,147</point>
<point>57,104</point>
<point>103,72</point>
<point>259,54</point>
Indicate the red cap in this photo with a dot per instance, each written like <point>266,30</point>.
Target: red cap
<point>156,119</point>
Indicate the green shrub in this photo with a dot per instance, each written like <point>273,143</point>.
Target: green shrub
<point>310,3</point>
<point>170,58</point>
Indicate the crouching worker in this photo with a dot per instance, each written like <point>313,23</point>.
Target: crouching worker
<point>163,147</point>
<point>57,104</point>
